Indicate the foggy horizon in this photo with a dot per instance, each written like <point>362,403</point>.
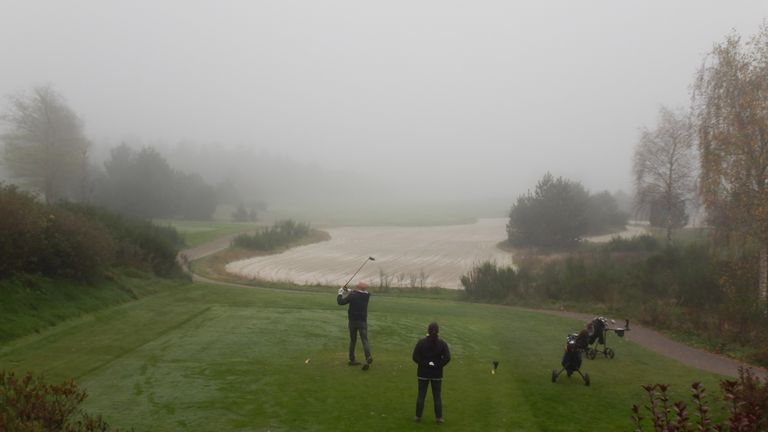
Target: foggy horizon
<point>448,99</point>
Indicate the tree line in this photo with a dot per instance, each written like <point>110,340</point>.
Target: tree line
<point>716,153</point>
<point>46,151</point>
<point>713,155</point>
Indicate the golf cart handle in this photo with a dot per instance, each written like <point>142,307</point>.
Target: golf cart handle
<point>625,328</point>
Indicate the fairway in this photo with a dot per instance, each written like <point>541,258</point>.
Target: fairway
<point>217,358</point>
<point>196,233</point>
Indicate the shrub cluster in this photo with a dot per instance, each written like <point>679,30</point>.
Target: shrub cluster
<point>139,243</point>
<point>690,288</point>
<point>488,281</point>
<point>30,404</point>
<point>280,234</point>
<point>76,241</point>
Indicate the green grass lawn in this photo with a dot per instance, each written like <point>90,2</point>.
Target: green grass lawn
<point>215,358</point>
<point>196,233</point>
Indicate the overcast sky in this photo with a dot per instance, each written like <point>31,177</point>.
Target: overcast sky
<point>452,95</point>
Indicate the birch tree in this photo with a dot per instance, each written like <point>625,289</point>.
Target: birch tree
<point>731,100</point>
<point>665,170</point>
<point>44,144</point>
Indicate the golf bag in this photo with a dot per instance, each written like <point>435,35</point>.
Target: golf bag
<point>571,362</point>
<point>598,335</point>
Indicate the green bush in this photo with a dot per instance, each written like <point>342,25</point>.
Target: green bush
<point>139,243</point>
<point>280,234</point>
<point>22,231</point>
<point>487,281</point>
<point>77,241</point>
<point>76,247</point>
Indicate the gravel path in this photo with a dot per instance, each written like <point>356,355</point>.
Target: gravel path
<point>645,337</point>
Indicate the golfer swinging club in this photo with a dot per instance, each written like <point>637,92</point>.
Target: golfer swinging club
<point>358,320</point>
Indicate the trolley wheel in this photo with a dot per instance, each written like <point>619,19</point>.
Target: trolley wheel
<point>586,379</point>
<point>554,375</point>
<point>591,353</point>
<point>609,353</point>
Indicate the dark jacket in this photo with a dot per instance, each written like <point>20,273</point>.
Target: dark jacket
<point>358,305</point>
<point>431,351</point>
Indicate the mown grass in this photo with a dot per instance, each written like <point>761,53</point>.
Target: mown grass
<point>217,358</point>
<point>30,304</point>
<point>196,233</point>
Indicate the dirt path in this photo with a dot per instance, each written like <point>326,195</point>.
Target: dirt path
<point>645,337</point>
<point>208,248</point>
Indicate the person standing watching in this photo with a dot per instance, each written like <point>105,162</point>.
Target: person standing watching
<point>431,354</point>
<point>358,320</point>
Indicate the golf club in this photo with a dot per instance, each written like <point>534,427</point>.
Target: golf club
<point>358,271</point>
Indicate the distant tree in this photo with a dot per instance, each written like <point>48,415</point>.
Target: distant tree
<point>603,213</point>
<point>624,201</point>
<point>45,146</point>
<point>259,205</point>
<point>665,170</point>
<point>138,184</point>
<point>193,197</point>
<point>227,192</point>
<point>143,184</point>
<point>240,214</point>
<point>555,214</point>
<point>666,213</point>
<point>731,101</point>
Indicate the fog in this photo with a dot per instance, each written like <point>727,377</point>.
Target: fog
<point>444,99</point>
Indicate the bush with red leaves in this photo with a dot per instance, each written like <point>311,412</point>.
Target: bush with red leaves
<point>29,404</point>
<point>746,399</point>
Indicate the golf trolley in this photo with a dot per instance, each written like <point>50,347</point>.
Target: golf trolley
<point>598,335</point>
<point>574,346</point>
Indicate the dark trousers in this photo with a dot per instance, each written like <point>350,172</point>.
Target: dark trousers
<point>356,327</point>
<point>436,385</point>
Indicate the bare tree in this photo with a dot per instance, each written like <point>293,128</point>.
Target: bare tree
<point>45,146</point>
<point>731,101</point>
<point>665,170</point>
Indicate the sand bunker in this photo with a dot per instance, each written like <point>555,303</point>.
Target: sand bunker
<point>405,256</point>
